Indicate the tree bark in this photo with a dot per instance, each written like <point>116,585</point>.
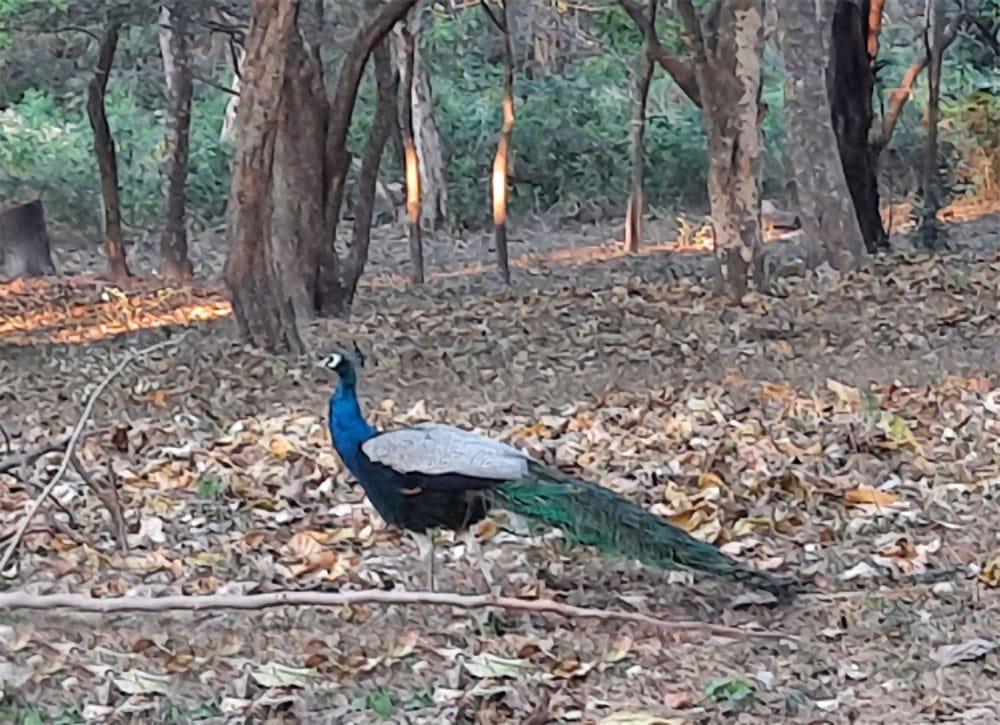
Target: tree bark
<point>176,51</point>
<point>411,159</point>
<point>426,137</point>
<point>378,136</point>
<point>104,149</point>
<point>501,161</point>
<point>299,227</point>
<point>637,196</point>
<point>682,73</point>
<point>24,241</point>
<point>331,297</point>
<point>826,210</point>
<point>263,311</point>
<point>933,41</point>
<point>851,82</point>
<point>728,68</point>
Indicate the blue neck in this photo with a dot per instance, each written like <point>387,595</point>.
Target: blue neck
<point>347,425</point>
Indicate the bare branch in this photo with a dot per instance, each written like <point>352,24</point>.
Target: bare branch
<point>21,599</point>
<point>216,85</point>
<point>107,494</point>
<point>901,95</point>
<point>682,73</point>
<point>494,18</point>
<point>74,438</point>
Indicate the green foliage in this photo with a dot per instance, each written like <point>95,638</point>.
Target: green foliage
<point>729,689</point>
<point>211,486</point>
<point>48,146</point>
<point>380,702</point>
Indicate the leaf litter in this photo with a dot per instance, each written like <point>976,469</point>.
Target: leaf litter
<point>848,429</point>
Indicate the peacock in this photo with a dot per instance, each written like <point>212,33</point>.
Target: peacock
<point>430,476</point>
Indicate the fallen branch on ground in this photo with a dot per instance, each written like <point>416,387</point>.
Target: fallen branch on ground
<point>74,438</point>
<point>83,603</point>
<point>17,460</point>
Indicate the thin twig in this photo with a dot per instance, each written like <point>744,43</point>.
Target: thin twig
<point>107,494</point>
<point>73,440</point>
<point>21,599</point>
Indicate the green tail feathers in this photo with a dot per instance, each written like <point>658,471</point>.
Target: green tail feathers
<point>599,517</point>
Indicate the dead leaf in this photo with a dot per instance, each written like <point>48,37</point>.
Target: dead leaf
<point>990,574</point>
<point>950,654</point>
<point>275,674</point>
<point>640,718</point>
<point>867,494</point>
<point>137,682</point>
<point>485,665</point>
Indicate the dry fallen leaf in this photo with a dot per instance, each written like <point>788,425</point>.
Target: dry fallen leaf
<point>950,654</point>
<point>869,495</point>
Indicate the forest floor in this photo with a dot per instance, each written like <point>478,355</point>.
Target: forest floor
<point>847,427</point>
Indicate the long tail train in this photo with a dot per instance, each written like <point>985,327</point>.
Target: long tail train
<point>597,516</point>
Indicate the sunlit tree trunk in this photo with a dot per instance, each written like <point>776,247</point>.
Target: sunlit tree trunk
<point>501,161</point>
<point>263,310</point>
<point>637,196</point>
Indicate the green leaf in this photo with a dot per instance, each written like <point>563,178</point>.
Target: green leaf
<point>728,689</point>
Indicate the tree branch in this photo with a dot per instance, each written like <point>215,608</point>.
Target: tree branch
<point>74,438</point>
<point>902,94</point>
<point>21,599</point>
<point>681,72</point>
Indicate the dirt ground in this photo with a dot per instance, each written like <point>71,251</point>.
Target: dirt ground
<point>846,428</point>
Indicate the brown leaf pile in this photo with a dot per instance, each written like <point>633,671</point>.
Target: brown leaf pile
<point>850,429</point>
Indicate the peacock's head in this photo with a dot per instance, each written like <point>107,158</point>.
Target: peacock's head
<point>343,362</point>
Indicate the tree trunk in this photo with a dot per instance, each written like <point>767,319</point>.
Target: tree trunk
<point>298,225</point>
<point>176,51</point>
<point>426,138</point>
<point>24,241</point>
<point>378,136</point>
<point>264,312</point>
<point>501,162</point>
<point>411,159</point>
<point>826,210</point>
<point>104,148</point>
<point>331,297</point>
<point>637,197</point>
<point>850,83</point>
<point>728,69</point>
<point>933,41</point>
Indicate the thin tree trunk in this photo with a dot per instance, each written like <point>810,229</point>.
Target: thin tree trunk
<point>265,314</point>
<point>378,136</point>
<point>933,41</point>
<point>104,148</point>
<point>637,197</point>
<point>411,159</point>
<point>501,162</point>
<point>331,297</point>
<point>176,51</point>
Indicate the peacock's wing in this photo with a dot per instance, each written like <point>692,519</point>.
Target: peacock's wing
<point>434,449</point>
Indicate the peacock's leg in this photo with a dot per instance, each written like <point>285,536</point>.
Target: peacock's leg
<point>430,556</point>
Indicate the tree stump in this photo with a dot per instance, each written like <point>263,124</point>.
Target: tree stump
<point>24,241</point>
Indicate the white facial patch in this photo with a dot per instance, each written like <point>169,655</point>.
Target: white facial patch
<point>333,360</point>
